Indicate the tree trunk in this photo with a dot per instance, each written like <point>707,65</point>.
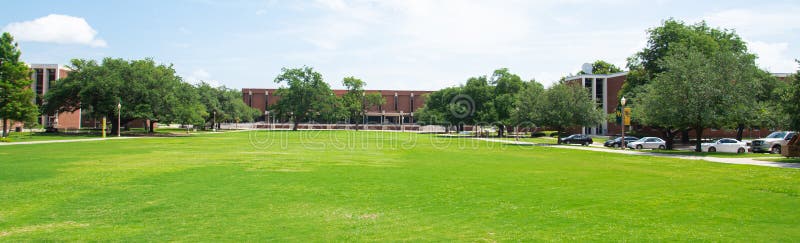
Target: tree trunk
<point>501,130</point>
<point>558,135</point>
<point>5,127</point>
<point>685,136</point>
<point>152,126</point>
<point>669,137</point>
<point>294,128</point>
<point>114,128</point>
<point>739,131</point>
<point>699,132</point>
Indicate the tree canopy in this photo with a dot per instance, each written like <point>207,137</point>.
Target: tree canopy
<point>564,105</point>
<point>305,96</point>
<point>15,93</point>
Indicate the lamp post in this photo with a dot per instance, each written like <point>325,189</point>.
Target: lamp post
<point>622,101</point>
<point>119,118</point>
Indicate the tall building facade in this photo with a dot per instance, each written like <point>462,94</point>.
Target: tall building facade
<point>43,77</point>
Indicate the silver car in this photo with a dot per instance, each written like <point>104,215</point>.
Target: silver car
<point>648,143</point>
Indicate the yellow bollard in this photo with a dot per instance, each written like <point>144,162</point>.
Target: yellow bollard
<point>104,127</point>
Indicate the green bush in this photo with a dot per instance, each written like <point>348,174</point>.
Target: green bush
<point>5,140</point>
<point>539,134</point>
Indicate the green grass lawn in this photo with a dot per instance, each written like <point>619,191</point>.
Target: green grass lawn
<point>374,186</point>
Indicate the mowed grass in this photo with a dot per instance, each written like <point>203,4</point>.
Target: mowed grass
<point>380,186</point>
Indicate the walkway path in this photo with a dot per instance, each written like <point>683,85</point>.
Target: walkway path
<point>68,140</point>
<point>739,161</point>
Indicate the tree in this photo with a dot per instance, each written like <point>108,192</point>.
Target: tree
<point>644,65</point>
<point>145,89</point>
<point>224,104</point>
<point>525,113</point>
<point>707,87</point>
<point>355,102</point>
<point>507,86</point>
<point>15,93</point>
<point>566,105</point>
<point>445,107</point>
<point>188,110</point>
<point>602,67</point>
<point>791,102</point>
<point>306,95</point>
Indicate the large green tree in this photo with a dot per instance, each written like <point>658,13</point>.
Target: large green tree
<point>305,97</point>
<point>644,65</point>
<point>566,105</point>
<point>500,108</point>
<point>697,90</point>
<point>16,97</point>
<point>356,101</point>
<point>224,104</point>
<point>525,113</point>
<point>145,89</point>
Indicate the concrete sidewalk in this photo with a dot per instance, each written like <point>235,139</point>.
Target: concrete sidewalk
<point>738,161</point>
<point>68,140</point>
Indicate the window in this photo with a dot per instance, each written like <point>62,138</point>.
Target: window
<point>652,140</point>
<point>588,84</point>
<point>39,85</point>
<point>395,101</point>
<point>598,89</point>
<point>412,102</point>
<point>51,77</point>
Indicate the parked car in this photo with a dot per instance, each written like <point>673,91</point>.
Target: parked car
<point>617,142</point>
<point>728,145</point>
<point>648,143</point>
<point>773,143</point>
<point>577,139</point>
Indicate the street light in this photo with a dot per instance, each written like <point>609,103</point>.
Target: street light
<point>623,101</point>
<point>119,118</point>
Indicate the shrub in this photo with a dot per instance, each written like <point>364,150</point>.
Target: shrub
<point>539,134</point>
<point>5,140</point>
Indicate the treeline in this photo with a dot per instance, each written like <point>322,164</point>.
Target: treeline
<point>143,90</point>
<point>503,100</point>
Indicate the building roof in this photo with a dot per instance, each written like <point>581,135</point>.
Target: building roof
<point>611,75</point>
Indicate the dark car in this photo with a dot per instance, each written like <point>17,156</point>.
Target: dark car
<point>616,142</point>
<point>577,139</point>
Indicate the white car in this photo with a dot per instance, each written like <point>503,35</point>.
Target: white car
<point>648,143</point>
<point>728,145</point>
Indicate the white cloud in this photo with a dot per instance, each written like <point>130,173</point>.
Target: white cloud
<point>56,28</point>
<point>772,56</point>
<point>261,12</point>
<point>764,30</point>
<point>201,75</point>
<point>752,22</point>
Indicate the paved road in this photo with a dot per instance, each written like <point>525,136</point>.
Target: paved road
<point>739,161</point>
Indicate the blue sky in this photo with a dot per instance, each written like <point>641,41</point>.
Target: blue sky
<point>392,44</point>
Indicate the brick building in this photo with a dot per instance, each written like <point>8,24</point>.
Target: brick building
<point>44,76</point>
<point>399,104</point>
